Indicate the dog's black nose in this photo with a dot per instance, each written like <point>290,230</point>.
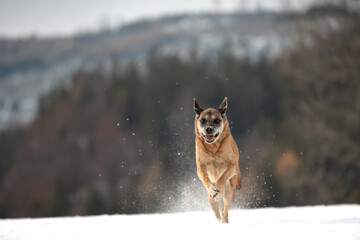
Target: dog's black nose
<point>209,130</point>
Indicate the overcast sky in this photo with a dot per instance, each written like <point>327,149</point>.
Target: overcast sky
<point>64,17</point>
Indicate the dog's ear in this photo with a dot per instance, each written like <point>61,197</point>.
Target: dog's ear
<point>197,108</point>
<point>223,107</point>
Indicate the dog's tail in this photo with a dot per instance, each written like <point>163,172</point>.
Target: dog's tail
<point>238,179</point>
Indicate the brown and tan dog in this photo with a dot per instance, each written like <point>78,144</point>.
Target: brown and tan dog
<point>216,157</point>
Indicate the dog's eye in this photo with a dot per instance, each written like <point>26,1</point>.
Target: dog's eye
<point>217,121</point>
<point>202,121</point>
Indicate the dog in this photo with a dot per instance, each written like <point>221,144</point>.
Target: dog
<point>217,157</point>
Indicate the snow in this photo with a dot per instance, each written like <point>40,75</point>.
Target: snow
<point>312,222</point>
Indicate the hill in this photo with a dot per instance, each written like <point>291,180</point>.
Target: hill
<point>31,67</point>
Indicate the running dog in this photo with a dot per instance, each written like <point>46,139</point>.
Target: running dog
<point>217,157</point>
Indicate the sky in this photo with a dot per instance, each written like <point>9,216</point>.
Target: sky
<point>19,18</point>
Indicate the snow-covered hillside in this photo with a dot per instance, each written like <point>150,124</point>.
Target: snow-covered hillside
<point>32,67</point>
<point>318,222</point>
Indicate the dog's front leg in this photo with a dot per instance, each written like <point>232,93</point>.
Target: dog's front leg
<point>229,173</point>
<point>210,187</point>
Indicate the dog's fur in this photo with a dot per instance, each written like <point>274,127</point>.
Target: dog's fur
<point>216,157</point>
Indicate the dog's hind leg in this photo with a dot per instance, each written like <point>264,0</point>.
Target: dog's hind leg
<point>214,206</point>
<point>229,195</point>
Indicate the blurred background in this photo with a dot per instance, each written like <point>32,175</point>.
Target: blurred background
<point>96,98</point>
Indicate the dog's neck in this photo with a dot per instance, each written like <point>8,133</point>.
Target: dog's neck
<point>215,146</point>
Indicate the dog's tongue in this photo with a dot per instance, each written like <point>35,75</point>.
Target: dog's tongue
<point>210,137</point>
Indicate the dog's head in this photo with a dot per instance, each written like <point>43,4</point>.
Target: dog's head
<point>210,122</point>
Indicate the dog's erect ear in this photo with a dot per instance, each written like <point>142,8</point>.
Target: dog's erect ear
<point>223,107</point>
<point>197,108</point>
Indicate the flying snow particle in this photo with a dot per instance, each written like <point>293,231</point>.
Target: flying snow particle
<point>301,153</point>
<point>99,174</point>
<point>118,124</point>
<point>133,134</point>
<point>178,153</point>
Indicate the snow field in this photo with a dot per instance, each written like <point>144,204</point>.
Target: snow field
<point>311,222</point>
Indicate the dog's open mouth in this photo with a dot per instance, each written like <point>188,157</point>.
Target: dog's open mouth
<point>209,138</point>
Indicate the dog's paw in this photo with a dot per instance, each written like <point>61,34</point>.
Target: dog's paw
<point>218,197</point>
<point>214,192</point>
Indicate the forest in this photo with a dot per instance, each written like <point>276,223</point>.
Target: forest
<point>120,139</point>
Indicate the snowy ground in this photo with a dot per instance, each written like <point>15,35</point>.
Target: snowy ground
<point>318,222</point>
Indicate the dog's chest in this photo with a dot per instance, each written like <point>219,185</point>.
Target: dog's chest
<point>215,167</point>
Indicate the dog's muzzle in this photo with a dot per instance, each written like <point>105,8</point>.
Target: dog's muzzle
<point>209,138</point>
